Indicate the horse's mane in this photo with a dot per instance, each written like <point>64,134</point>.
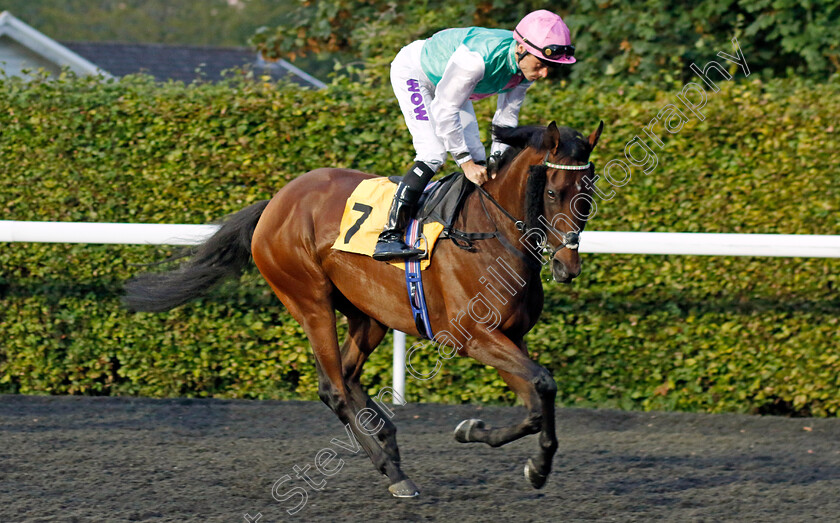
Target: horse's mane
<point>572,145</point>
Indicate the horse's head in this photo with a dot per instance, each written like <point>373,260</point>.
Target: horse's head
<point>560,180</point>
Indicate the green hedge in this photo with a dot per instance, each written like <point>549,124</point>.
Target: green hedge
<point>641,40</point>
<point>636,332</point>
<point>630,39</point>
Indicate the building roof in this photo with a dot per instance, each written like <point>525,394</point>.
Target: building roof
<point>29,48</point>
<point>42,47</point>
<point>185,62</point>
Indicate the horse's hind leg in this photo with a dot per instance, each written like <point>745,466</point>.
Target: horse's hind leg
<point>364,335</point>
<point>310,303</point>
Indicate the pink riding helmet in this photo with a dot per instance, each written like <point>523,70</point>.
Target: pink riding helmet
<point>545,35</point>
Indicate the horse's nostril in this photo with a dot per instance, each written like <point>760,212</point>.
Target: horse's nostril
<point>558,271</point>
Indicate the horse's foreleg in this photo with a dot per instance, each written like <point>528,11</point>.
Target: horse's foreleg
<point>388,433</point>
<point>537,469</point>
<point>474,431</point>
<point>537,388</point>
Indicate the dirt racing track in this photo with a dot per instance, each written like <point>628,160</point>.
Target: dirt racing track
<point>134,459</point>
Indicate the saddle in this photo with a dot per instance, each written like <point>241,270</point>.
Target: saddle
<point>366,211</point>
<point>365,214</point>
<point>442,202</point>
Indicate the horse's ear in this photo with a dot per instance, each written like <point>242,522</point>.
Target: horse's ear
<point>593,138</point>
<point>551,137</point>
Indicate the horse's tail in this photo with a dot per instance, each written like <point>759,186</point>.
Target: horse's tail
<point>225,254</point>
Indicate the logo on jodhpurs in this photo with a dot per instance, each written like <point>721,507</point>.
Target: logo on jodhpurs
<point>417,100</point>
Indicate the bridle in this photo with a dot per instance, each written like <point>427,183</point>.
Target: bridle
<point>568,240</point>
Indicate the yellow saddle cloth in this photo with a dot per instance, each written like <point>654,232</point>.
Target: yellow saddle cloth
<point>365,215</point>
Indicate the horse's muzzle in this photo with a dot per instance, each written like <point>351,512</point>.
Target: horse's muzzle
<point>561,273</point>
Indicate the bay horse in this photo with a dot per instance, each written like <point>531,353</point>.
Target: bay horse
<point>290,237</point>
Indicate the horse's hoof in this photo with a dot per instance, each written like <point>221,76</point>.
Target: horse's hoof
<point>404,489</point>
<point>536,479</point>
<point>462,431</point>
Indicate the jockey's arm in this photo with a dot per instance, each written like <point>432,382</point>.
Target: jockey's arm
<point>507,113</point>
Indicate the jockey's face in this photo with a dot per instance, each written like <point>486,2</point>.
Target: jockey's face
<point>532,67</point>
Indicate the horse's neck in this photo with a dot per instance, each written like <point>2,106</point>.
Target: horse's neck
<point>510,186</point>
<point>508,189</point>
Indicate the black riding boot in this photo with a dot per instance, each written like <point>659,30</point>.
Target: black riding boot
<point>390,245</point>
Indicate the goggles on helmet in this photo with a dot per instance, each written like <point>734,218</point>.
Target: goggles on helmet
<point>552,51</point>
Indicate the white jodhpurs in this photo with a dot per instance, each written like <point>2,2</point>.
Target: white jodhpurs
<point>415,93</point>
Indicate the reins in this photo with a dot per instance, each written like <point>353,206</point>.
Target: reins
<point>465,240</point>
<point>519,224</point>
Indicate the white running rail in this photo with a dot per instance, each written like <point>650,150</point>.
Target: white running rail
<point>606,242</point>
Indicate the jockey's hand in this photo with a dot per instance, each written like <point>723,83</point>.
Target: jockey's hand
<point>475,173</point>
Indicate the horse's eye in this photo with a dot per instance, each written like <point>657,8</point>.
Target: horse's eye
<point>552,194</point>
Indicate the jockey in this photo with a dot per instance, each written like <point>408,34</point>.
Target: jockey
<point>435,81</point>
